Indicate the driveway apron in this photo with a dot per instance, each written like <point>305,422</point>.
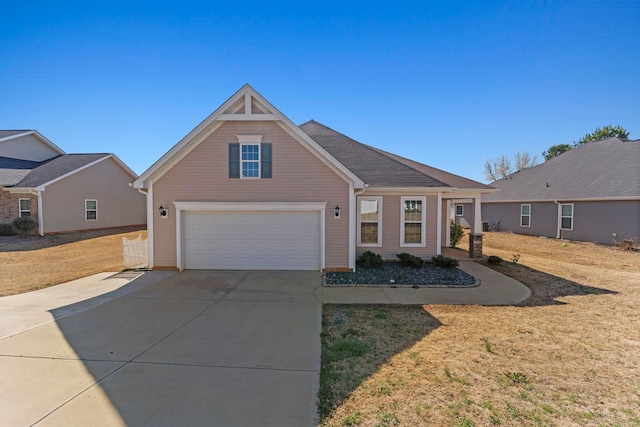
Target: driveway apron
<point>199,348</point>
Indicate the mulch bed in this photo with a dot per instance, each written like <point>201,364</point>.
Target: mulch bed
<point>393,274</point>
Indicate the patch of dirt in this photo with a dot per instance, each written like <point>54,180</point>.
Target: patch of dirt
<point>567,356</point>
<point>38,262</point>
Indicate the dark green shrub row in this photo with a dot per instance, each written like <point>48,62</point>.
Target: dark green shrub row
<point>369,260</point>
<point>25,225</point>
<point>6,230</point>
<point>493,259</point>
<point>408,260</point>
<point>446,262</point>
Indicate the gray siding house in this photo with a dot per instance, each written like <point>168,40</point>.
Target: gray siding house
<point>64,192</point>
<point>590,193</point>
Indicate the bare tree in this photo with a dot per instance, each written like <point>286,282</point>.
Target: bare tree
<point>525,160</point>
<point>498,169</point>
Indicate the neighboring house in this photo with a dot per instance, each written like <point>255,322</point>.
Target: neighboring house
<point>65,192</point>
<point>590,193</point>
<point>248,189</point>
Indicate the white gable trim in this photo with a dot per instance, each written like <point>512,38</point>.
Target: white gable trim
<point>37,134</point>
<point>219,116</point>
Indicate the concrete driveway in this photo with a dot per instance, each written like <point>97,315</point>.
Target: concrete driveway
<point>193,348</point>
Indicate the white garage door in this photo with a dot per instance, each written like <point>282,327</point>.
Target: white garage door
<point>260,240</point>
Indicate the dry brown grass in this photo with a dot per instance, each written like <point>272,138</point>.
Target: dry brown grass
<point>38,262</point>
<point>569,356</point>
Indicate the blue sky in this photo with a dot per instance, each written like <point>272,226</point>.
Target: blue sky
<point>449,84</point>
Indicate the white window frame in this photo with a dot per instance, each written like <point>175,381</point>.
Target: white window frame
<point>522,215</point>
<point>378,199</point>
<point>242,161</point>
<point>461,210</point>
<point>87,210</point>
<point>20,210</point>
<point>422,222</point>
<point>564,216</point>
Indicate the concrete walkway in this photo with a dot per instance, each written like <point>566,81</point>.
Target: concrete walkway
<point>494,289</point>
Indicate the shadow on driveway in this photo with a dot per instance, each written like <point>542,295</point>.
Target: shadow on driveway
<point>197,348</point>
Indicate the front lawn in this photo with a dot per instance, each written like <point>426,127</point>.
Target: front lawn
<point>570,355</point>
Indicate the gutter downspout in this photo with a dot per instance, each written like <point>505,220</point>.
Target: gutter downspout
<point>40,215</point>
<point>150,210</point>
<point>353,222</point>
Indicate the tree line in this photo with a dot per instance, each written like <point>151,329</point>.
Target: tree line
<point>503,166</point>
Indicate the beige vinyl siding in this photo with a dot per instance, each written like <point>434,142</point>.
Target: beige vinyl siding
<point>27,147</point>
<point>118,203</point>
<point>391,228</point>
<point>298,176</point>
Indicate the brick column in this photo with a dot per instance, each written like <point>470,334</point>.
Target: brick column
<point>475,245</point>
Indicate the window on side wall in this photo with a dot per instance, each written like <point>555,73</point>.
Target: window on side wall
<point>412,221</point>
<point>566,216</point>
<point>370,221</point>
<point>90,210</point>
<point>24,206</point>
<point>525,215</point>
<point>459,210</point>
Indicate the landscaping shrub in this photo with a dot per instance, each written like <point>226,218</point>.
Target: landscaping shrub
<point>6,230</point>
<point>446,262</point>
<point>370,260</point>
<point>25,225</point>
<point>493,259</point>
<point>456,234</point>
<point>408,260</point>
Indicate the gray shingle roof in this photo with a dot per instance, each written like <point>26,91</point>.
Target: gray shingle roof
<point>378,168</point>
<point>13,171</point>
<point>604,169</point>
<point>54,168</point>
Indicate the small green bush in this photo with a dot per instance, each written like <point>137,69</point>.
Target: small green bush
<point>25,225</point>
<point>370,260</point>
<point>456,234</point>
<point>408,260</point>
<point>6,230</point>
<point>446,262</point>
<point>493,259</point>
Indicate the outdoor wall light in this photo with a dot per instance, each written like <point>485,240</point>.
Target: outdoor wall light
<point>336,212</point>
<point>164,213</point>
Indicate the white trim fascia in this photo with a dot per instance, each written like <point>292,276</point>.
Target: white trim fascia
<point>423,222</point>
<point>124,166</point>
<point>586,199</point>
<point>218,117</point>
<point>439,226</point>
<point>15,190</point>
<point>42,187</point>
<point>352,227</point>
<point>249,207</point>
<point>323,231</point>
<point>410,191</point>
<point>40,214</point>
<point>248,117</point>
<point>179,257</point>
<point>51,145</point>
<point>150,224</point>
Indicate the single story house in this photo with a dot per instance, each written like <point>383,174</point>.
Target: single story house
<point>65,192</point>
<point>590,193</point>
<point>249,189</point>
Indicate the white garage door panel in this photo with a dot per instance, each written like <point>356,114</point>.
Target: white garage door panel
<point>261,240</point>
